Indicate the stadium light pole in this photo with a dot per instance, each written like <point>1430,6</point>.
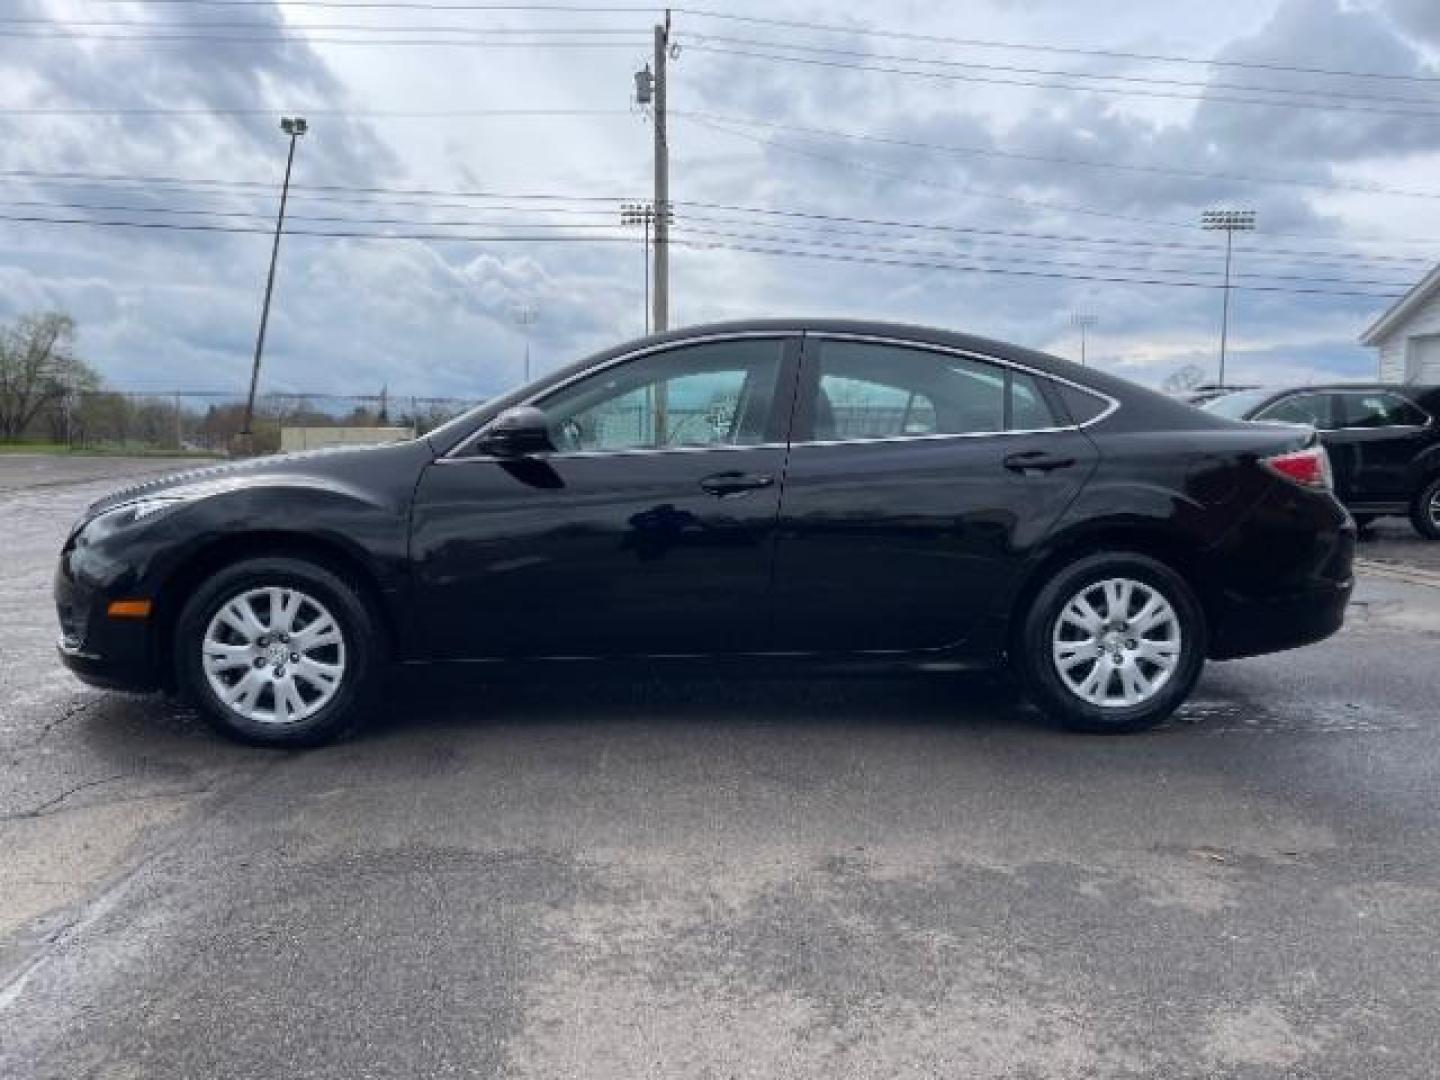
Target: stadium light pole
<point>294,126</point>
<point>1229,222</point>
<point>525,317</point>
<point>1083,321</point>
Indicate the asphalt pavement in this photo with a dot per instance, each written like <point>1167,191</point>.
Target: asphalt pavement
<point>714,877</point>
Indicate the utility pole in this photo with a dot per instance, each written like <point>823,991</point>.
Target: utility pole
<point>1230,222</point>
<point>662,181</point>
<point>294,127</point>
<point>1083,321</point>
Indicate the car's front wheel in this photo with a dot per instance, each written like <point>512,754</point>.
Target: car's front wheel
<point>1112,643</point>
<point>278,652</point>
<point>1425,510</point>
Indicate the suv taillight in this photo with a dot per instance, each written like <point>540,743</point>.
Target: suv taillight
<point>1308,468</point>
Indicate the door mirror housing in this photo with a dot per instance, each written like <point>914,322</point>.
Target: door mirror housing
<point>517,432</point>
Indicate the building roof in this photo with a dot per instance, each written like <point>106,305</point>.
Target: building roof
<point>1398,312</point>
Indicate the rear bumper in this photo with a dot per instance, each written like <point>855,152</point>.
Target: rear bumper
<point>1250,627</point>
<point>1288,576</point>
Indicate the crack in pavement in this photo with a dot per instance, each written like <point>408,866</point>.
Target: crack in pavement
<point>49,805</point>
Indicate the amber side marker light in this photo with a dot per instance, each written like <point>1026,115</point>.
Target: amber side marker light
<point>129,609</point>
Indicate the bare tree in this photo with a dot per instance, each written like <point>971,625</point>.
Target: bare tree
<point>38,368</point>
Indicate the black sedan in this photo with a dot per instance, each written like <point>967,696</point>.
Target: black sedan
<point>791,492</point>
<point>1383,441</point>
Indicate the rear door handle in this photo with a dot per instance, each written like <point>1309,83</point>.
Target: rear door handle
<point>1036,461</point>
<point>726,484</point>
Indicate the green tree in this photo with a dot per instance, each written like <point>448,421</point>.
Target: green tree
<point>38,369</point>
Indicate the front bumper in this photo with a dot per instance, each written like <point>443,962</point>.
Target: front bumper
<point>114,654</point>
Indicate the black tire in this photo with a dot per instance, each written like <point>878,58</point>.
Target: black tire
<point>1425,510</point>
<point>359,684</point>
<point>1035,662</point>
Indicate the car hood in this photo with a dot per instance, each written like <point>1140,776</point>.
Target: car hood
<point>339,463</point>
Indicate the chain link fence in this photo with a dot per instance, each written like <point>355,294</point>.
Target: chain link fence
<point>197,422</point>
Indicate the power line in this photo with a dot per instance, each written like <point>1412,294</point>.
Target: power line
<point>553,202</point>
<point>292,39</point>
<point>1050,241</point>
<point>340,114</point>
<point>607,223</point>
<point>770,249</point>
<point>400,5</point>
<point>881,249</point>
<point>1016,69</point>
<point>605,220</point>
<point>168,226</point>
<point>799,24</point>
<point>1036,204</point>
<point>948,148</point>
<point>254,24</point>
<point>954,77</point>
<point>981,43</point>
<point>926,265</point>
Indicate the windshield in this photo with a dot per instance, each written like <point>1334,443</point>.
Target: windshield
<point>1239,405</point>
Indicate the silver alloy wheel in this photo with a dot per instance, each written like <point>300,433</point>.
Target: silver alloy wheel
<point>274,655</point>
<point>1435,508</point>
<point>1116,643</point>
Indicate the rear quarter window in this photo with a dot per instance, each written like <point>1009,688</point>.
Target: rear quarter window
<point>1082,405</point>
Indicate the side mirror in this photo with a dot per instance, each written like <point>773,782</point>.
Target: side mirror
<point>516,432</point>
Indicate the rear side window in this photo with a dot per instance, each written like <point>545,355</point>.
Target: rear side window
<point>1312,409</point>
<point>873,391</point>
<point>1377,410</point>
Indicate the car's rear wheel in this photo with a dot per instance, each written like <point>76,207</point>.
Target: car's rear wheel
<point>1112,643</point>
<point>278,652</point>
<point>1425,510</point>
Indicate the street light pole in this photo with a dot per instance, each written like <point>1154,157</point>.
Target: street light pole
<point>294,127</point>
<point>1230,222</point>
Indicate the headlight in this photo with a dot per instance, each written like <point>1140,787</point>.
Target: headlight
<point>119,517</point>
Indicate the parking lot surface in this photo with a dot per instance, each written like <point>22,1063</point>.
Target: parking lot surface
<point>712,877</point>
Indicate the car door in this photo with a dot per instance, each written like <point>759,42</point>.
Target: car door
<point>647,530</point>
<point>918,479</point>
<point>1380,433</point>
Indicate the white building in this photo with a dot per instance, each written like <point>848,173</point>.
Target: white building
<point>1408,335</point>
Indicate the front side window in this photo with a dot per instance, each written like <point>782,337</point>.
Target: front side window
<point>1379,410</point>
<point>712,394</point>
<point>1312,409</point>
<point>873,391</point>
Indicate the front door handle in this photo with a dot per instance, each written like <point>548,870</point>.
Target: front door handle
<point>1036,461</point>
<point>727,484</point>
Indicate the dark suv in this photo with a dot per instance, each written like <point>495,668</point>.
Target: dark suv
<point>1383,440</point>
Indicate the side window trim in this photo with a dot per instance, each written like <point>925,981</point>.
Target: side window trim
<point>802,429</point>
<point>781,411</point>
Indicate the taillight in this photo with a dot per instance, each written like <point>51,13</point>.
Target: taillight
<point>1308,468</point>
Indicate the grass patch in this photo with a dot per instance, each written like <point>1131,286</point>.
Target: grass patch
<point>60,449</point>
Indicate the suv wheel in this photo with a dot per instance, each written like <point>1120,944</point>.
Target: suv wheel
<point>1112,643</point>
<point>1425,510</point>
<point>278,652</point>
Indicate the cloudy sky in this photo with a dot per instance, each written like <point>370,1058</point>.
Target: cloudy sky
<point>990,166</point>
